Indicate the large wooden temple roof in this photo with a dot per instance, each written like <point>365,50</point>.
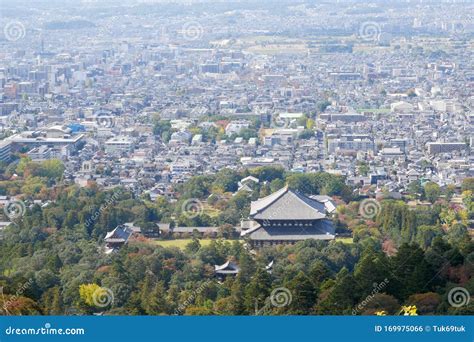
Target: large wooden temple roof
<point>286,204</point>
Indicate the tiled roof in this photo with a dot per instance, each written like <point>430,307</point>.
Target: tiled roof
<point>227,268</point>
<point>286,204</point>
<point>119,234</point>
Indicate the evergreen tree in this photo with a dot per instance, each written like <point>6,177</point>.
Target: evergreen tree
<point>410,272</point>
<point>237,306</point>
<point>341,297</point>
<point>303,295</point>
<point>371,270</point>
<point>257,291</point>
<point>319,272</point>
<point>157,303</point>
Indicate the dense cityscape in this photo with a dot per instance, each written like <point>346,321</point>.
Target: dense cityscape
<point>236,158</point>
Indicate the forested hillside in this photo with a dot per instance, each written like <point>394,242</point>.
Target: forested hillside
<point>52,260</point>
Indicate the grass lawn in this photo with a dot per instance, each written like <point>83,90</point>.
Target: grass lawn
<point>345,240</point>
<point>180,243</point>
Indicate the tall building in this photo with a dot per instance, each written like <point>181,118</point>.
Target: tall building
<point>5,151</point>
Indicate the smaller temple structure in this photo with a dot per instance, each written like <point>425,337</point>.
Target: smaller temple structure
<point>117,238</point>
<point>226,269</point>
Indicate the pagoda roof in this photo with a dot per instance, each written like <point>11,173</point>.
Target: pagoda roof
<point>227,268</point>
<point>119,234</point>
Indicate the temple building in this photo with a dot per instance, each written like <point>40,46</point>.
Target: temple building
<point>227,269</point>
<point>117,238</point>
<point>287,216</point>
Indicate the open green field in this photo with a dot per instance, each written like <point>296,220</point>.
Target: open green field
<point>345,240</point>
<point>180,243</point>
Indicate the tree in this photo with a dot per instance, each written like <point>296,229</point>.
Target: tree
<point>92,295</point>
<point>52,169</point>
<point>321,106</point>
<point>380,302</point>
<point>247,266</point>
<point>156,302</point>
<point>193,246</point>
<point>468,184</point>
<point>306,134</point>
<point>426,303</point>
<point>432,191</point>
<point>257,291</point>
<point>237,296</point>
<point>371,269</point>
<point>52,301</point>
<point>450,191</point>
<point>457,234</point>
<point>410,272</point>
<point>318,273</point>
<point>363,169</point>
<point>226,231</point>
<point>415,188</point>
<point>226,180</point>
<point>340,298</point>
<point>198,311</point>
<point>426,234</point>
<point>18,305</point>
<point>303,295</point>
